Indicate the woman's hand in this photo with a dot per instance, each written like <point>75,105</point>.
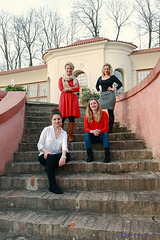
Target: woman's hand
<point>110,89</point>
<point>66,90</point>
<point>46,154</point>
<point>62,161</point>
<point>100,91</point>
<point>96,132</point>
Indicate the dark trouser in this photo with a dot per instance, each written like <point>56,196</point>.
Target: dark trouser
<point>71,119</point>
<point>111,119</point>
<point>51,163</point>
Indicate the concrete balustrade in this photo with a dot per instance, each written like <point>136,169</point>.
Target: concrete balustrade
<point>12,112</point>
<point>139,110</point>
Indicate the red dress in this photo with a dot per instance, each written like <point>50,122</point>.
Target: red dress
<point>68,103</point>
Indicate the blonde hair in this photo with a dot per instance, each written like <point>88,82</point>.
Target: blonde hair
<point>110,68</point>
<point>89,113</point>
<point>69,64</point>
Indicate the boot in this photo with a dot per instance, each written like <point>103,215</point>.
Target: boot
<point>90,155</point>
<point>54,188</point>
<point>70,131</point>
<point>107,156</point>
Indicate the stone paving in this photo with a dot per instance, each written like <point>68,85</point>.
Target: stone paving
<point>118,200</point>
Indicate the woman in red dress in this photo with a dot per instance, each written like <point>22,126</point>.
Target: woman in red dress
<point>68,103</point>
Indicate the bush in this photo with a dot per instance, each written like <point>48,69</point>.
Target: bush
<point>15,88</point>
<point>87,95</point>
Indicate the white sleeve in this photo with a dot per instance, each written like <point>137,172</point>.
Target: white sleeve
<point>64,142</point>
<point>41,142</point>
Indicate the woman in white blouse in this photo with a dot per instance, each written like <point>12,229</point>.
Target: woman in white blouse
<point>53,149</point>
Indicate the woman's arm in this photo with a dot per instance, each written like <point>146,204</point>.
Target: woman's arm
<point>62,160</point>
<point>75,89</point>
<point>41,143</point>
<point>46,152</point>
<point>118,82</point>
<point>86,125</point>
<point>60,85</point>
<point>105,123</point>
<point>97,85</point>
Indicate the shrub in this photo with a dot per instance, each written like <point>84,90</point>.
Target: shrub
<point>87,95</point>
<point>15,88</point>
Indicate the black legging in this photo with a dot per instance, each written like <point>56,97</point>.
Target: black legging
<point>111,119</point>
<point>51,163</point>
<point>71,119</point>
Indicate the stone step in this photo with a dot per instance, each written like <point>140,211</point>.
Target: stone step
<point>47,120</point>
<point>78,130</point>
<point>45,107</point>
<point>29,138</point>
<point>128,154</point>
<point>69,226</point>
<point>84,167</point>
<point>115,145</point>
<point>136,181</point>
<point>15,236</point>
<point>108,202</point>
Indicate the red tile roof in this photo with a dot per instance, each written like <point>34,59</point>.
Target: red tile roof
<point>23,69</point>
<point>87,41</point>
<point>148,50</point>
<point>91,40</point>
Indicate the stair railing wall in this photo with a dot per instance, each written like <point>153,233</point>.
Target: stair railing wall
<point>139,110</point>
<point>12,112</point>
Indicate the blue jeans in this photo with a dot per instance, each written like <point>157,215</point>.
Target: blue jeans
<point>91,138</point>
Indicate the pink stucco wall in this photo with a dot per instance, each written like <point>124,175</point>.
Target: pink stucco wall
<point>139,110</point>
<point>12,109</point>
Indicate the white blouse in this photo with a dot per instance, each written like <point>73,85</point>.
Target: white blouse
<point>49,142</point>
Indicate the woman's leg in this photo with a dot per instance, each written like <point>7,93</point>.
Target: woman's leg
<point>51,163</point>
<point>111,120</point>
<point>71,128</point>
<point>105,139</point>
<point>63,120</point>
<point>88,143</point>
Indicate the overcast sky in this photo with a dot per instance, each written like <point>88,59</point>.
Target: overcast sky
<point>63,7</point>
<point>19,6</point>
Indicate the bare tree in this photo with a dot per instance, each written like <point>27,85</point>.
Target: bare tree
<point>52,30</point>
<point>120,12</point>
<point>18,45</point>
<point>28,26</point>
<point>87,13</point>
<point>4,36</point>
<point>157,23</point>
<point>146,12</point>
<point>71,31</point>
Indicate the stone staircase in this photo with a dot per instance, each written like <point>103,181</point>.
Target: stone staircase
<point>118,200</point>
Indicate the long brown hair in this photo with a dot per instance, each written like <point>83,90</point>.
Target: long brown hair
<point>89,113</point>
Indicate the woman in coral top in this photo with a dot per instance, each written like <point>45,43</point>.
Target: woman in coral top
<point>96,129</point>
<point>68,103</point>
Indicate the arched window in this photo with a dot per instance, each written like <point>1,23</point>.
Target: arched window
<point>119,75</point>
<point>82,79</point>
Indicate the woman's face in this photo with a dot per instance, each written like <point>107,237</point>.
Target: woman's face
<point>56,120</point>
<point>106,70</point>
<point>93,105</point>
<point>69,70</point>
